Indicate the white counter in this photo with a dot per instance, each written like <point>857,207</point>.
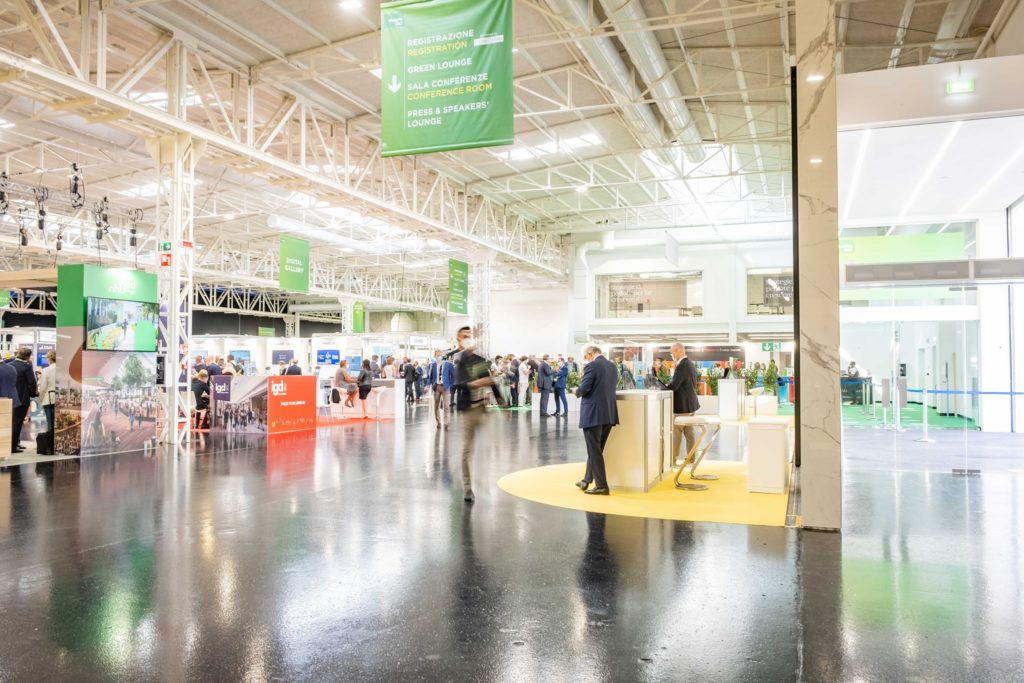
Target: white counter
<point>641,444</point>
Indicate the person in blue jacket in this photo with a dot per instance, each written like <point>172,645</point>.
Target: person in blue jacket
<point>441,379</point>
<point>561,379</point>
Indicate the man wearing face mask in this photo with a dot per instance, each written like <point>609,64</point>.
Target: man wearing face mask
<point>473,388</point>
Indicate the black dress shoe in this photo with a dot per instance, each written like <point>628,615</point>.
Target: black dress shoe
<point>597,492</point>
<point>583,484</point>
<point>19,449</point>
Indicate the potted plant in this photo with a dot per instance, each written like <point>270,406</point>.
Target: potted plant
<point>750,374</point>
<point>714,374</point>
<point>771,380</point>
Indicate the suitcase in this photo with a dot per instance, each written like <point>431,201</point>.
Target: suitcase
<point>44,443</point>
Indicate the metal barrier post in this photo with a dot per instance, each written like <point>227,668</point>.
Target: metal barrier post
<point>924,407</point>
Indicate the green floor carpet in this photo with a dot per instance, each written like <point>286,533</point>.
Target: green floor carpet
<point>861,416</point>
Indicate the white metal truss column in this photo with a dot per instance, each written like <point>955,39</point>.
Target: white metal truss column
<point>176,156</point>
<point>480,295</point>
<point>176,159</point>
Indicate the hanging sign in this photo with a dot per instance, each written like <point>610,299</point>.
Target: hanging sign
<point>771,346</point>
<point>458,287</point>
<point>358,317</point>
<point>266,332</point>
<point>446,75</point>
<point>293,274</point>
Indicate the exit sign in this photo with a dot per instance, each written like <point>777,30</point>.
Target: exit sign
<point>771,346</point>
<point>165,246</point>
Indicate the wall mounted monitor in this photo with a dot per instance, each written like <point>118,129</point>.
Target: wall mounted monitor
<point>115,325</point>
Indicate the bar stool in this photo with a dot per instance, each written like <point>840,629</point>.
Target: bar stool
<point>699,449</point>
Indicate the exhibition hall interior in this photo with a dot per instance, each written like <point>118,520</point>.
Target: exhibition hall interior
<point>512,340</point>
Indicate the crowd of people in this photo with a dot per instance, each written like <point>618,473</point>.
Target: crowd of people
<point>516,379</point>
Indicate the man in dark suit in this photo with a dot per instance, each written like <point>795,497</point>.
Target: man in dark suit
<point>598,414</point>
<point>212,367</point>
<point>9,383</point>
<point>544,385</point>
<point>293,368</point>
<point>408,372</point>
<point>26,389</point>
<point>684,392</point>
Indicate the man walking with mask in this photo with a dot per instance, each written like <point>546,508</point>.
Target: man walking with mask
<point>473,389</point>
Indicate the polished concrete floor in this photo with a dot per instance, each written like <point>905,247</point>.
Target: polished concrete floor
<point>353,557</point>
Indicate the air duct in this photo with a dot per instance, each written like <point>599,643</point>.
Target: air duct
<point>605,59</point>
<point>403,322</point>
<point>650,63</point>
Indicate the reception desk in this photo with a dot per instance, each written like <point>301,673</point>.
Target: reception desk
<point>641,444</point>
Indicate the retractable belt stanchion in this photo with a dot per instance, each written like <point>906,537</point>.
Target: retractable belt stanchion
<point>924,416</point>
<point>698,451</point>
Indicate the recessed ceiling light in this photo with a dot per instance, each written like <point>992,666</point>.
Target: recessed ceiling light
<point>350,4</point>
<point>515,49</point>
<point>815,78</point>
<point>815,160</point>
<point>582,188</point>
<point>229,217</point>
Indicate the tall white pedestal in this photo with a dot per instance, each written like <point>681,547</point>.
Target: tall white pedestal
<point>730,398</point>
<point>642,442</point>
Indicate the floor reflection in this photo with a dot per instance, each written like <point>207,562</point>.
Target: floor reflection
<point>349,554</point>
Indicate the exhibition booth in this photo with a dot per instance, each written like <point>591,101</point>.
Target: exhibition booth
<point>750,484</point>
<point>108,398</point>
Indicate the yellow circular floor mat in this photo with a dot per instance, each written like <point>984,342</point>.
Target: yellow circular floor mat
<point>726,500</point>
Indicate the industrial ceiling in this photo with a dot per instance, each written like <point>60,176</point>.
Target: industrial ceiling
<point>636,114</point>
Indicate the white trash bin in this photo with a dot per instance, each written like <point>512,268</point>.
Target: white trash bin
<point>767,454</point>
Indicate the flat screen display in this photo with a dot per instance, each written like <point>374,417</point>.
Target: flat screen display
<point>114,325</point>
<point>328,357</point>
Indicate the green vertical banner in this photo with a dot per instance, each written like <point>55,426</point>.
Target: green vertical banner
<point>359,317</point>
<point>446,75</point>
<point>293,268</point>
<point>5,298</point>
<point>458,287</point>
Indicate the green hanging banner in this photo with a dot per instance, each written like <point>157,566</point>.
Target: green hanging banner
<point>458,287</point>
<point>266,331</point>
<point>359,317</point>
<point>293,270</point>
<point>446,75</point>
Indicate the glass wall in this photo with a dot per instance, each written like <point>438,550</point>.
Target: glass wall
<point>650,295</point>
<point>922,375</point>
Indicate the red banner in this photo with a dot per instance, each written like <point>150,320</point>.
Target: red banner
<point>291,403</point>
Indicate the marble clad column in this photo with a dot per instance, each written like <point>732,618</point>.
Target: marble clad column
<point>818,252</point>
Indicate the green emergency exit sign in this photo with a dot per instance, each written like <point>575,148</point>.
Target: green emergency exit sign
<point>771,346</point>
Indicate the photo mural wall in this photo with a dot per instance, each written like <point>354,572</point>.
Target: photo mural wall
<point>107,321</point>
